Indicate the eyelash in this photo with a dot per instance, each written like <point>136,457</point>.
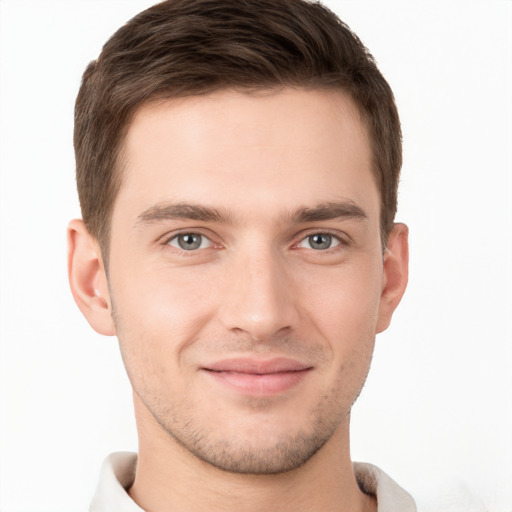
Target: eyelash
<point>342,242</point>
<point>166,242</point>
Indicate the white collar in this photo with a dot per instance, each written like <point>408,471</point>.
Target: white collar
<point>390,496</point>
<point>118,471</point>
<point>116,475</point>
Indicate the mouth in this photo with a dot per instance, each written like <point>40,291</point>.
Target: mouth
<point>258,377</point>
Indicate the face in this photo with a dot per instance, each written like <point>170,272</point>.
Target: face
<point>246,272</point>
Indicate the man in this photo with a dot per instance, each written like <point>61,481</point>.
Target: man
<point>237,167</point>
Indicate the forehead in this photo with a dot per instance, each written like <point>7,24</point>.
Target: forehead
<point>290,147</point>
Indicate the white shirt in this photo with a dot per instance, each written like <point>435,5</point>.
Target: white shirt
<point>118,471</point>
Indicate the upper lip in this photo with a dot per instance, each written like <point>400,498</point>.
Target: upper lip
<point>257,366</point>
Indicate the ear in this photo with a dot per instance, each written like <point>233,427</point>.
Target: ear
<point>396,274</point>
<point>87,278</point>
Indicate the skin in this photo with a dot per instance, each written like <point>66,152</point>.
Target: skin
<point>277,190</point>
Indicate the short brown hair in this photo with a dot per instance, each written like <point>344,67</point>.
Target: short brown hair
<point>182,48</point>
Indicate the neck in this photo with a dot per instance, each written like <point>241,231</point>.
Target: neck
<point>169,478</point>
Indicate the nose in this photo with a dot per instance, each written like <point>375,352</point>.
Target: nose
<point>258,296</point>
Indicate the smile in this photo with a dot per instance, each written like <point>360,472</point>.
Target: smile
<point>256,377</point>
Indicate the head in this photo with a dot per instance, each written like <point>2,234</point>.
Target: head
<point>181,48</point>
<point>237,165</point>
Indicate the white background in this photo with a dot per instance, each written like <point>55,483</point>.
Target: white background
<point>436,412</point>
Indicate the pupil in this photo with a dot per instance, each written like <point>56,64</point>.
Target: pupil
<point>320,241</point>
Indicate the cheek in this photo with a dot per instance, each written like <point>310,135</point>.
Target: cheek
<point>343,302</point>
<point>157,315</point>
<point>343,308</point>
<point>160,299</point>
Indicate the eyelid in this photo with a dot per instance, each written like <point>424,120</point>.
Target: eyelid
<point>206,243</point>
<point>335,242</point>
<point>165,240</point>
<point>341,237</point>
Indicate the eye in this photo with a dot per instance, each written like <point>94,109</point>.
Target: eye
<point>319,242</point>
<point>189,241</point>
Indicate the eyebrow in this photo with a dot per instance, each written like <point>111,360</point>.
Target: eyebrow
<point>169,211</point>
<point>325,211</point>
<point>329,211</point>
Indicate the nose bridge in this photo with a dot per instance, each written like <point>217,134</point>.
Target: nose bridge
<point>259,299</point>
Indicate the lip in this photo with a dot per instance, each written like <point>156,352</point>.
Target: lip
<point>258,377</point>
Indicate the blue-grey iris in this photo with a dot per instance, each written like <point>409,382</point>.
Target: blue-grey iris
<point>189,241</point>
<point>320,241</point>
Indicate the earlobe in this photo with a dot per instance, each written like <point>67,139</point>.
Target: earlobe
<point>87,278</point>
<point>396,273</point>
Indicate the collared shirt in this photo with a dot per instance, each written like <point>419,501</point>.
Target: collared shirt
<point>118,471</point>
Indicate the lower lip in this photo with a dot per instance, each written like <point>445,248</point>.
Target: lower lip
<point>259,384</point>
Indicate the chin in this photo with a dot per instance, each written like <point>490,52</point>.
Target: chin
<point>250,458</point>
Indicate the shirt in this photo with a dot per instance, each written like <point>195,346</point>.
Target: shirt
<point>118,471</point>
